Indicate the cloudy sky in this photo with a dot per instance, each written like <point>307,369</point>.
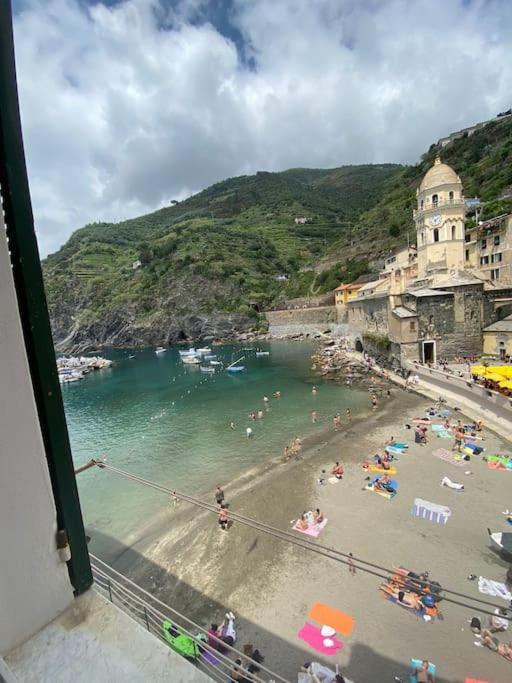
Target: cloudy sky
<point>127,105</point>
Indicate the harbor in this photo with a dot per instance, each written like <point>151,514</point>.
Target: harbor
<point>73,369</point>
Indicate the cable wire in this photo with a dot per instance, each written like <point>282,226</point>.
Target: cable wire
<point>331,553</point>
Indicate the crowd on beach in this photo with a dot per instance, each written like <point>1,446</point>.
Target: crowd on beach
<point>413,591</point>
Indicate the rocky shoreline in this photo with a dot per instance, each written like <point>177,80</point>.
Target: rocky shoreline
<point>333,361</point>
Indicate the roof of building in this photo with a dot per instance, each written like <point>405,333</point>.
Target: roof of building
<point>459,279</point>
<point>352,285</point>
<point>438,174</point>
<point>372,285</point>
<point>504,325</point>
<point>402,312</point>
<point>427,291</point>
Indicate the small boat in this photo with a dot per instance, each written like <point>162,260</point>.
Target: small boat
<point>236,368</point>
<point>262,353</point>
<point>191,360</point>
<point>204,352</point>
<point>215,362</point>
<point>210,356</point>
<point>188,352</point>
<point>131,357</point>
<point>248,349</point>
<point>159,350</point>
<point>206,368</point>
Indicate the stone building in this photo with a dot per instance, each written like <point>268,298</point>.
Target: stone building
<point>435,301</point>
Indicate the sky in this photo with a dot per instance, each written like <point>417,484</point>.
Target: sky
<point>127,105</point>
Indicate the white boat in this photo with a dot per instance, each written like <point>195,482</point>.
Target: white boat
<point>262,353</point>
<point>190,360</point>
<point>215,362</point>
<point>159,350</point>
<point>204,352</point>
<point>188,352</point>
<point>207,368</point>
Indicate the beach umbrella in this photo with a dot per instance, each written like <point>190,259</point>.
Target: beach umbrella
<point>478,370</point>
<point>503,370</point>
<point>494,377</point>
<point>506,384</point>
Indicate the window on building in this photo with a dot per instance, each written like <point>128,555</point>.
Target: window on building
<point>435,200</point>
<point>483,244</point>
<point>450,197</point>
<point>484,260</point>
<point>496,240</point>
<point>495,274</point>
<point>421,205</point>
<point>467,237</point>
<point>497,258</point>
<point>412,325</point>
<point>436,235</point>
<point>467,254</point>
<point>454,230</point>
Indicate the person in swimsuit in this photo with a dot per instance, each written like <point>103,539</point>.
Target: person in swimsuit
<point>422,673</point>
<point>223,517</point>
<point>302,522</point>
<point>337,470</point>
<point>318,516</point>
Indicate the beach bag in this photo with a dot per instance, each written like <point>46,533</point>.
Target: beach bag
<point>475,625</point>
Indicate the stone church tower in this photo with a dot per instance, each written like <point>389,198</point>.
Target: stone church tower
<point>440,223</point>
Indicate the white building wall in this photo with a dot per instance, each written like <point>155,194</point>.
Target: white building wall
<point>34,584</point>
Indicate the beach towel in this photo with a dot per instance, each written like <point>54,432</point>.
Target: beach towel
<point>438,428</point>
<point>394,450</point>
<point>400,444</point>
<point>494,588</point>
<point>314,530</point>
<point>380,470</point>
<point>432,512</point>
<point>474,680</point>
<point>444,434</point>
<point>449,456</point>
<point>312,636</point>
<point>498,462</point>
<point>330,616</point>
<point>333,480</point>
<point>385,494</point>
<point>209,658</point>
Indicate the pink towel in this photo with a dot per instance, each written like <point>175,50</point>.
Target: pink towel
<point>313,637</point>
<point>313,530</point>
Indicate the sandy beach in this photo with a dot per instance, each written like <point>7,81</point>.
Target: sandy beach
<point>270,585</point>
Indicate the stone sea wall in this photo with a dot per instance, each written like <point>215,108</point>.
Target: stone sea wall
<point>306,321</point>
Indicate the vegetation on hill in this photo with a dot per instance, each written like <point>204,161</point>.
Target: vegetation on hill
<point>208,264</point>
<point>221,250</point>
<point>483,161</point>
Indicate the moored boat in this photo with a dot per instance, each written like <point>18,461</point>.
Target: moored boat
<point>159,350</point>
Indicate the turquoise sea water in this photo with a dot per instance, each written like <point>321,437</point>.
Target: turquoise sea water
<point>170,423</point>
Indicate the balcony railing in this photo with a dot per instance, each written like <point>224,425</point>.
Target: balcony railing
<point>441,202</point>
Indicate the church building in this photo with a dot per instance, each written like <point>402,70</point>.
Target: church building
<point>433,301</point>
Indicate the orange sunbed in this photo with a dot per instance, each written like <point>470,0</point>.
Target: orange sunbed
<point>329,616</point>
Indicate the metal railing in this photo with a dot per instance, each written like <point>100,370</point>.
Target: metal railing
<point>154,615</point>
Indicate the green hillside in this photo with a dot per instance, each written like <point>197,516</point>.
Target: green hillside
<point>207,261</point>
<point>210,262</point>
<point>484,163</point>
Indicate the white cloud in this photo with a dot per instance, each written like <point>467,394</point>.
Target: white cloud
<point>129,106</point>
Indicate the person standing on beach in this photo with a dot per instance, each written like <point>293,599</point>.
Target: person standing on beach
<point>351,565</point>
<point>223,517</point>
<point>314,416</point>
<point>219,495</point>
<point>349,414</point>
<point>314,391</point>
<point>232,425</point>
<point>374,402</point>
<point>286,453</point>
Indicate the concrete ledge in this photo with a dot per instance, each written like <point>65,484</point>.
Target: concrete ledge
<point>95,641</point>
